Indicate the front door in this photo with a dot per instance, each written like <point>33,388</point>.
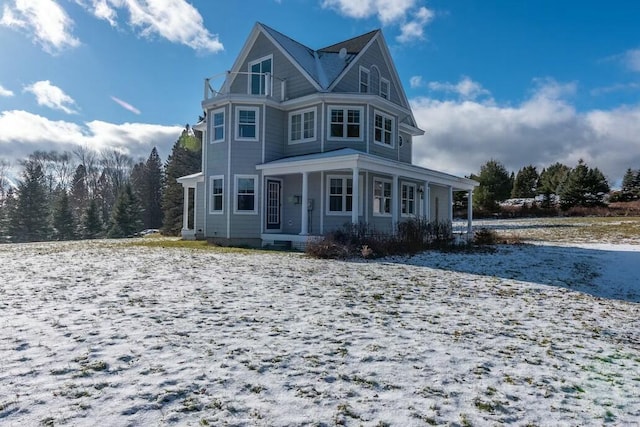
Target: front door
<point>274,208</point>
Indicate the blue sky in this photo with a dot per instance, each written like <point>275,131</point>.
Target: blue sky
<point>523,82</point>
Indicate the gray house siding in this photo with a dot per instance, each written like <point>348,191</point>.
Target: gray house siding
<point>199,206</point>
<point>296,84</point>
<point>405,150</point>
<point>439,203</point>
<point>275,134</point>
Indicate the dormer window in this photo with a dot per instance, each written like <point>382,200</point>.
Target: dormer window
<point>364,80</point>
<point>260,72</point>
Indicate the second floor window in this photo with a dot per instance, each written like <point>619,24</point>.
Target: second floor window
<point>247,123</point>
<point>345,123</point>
<point>258,82</point>
<point>217,127</point>
<point>384,88</point>
<point>302,126</point>
<point>383,129</point>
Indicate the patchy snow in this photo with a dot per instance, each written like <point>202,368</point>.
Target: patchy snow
<point>106,333</point>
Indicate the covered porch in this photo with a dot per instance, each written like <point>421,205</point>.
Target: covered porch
<point>190,189</point>
<point>312,172</point>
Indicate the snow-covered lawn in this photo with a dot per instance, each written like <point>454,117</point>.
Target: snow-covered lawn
<point>105,333</point>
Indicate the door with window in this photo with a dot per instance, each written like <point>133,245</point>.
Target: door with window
<point>274,204</point>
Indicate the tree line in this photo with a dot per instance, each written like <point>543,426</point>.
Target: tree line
<point>86,194</point>
<point>556,186</point>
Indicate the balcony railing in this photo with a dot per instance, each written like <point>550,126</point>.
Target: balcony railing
<point>220,85</point>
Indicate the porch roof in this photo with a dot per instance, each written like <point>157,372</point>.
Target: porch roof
<point>348,158</point>
<point>191,180</point>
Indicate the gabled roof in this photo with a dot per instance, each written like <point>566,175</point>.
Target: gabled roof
<point>322,67</point>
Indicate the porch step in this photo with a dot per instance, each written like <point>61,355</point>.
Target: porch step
<point>281,245</point>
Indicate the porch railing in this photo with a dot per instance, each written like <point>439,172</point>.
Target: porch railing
<point>220,84</point>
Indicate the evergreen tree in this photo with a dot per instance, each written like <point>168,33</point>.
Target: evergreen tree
<point>79,197</point>
<point>91,222</point>
<point>583,186</point>
<point>9,206</point>
<point>152,200</point>
<point>550,180</point>
<point>63,222</point>
<point>495,186</point>
<point>31,220</point>
<point>126,218</point>
<point>525,183</point>
<point>630,185</point>
<point>185,159</point>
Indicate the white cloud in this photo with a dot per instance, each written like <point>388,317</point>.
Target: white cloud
<point>125,105</point>
<point>465,88</point>
<point>415,82</point>
<point>631,59</point>
<point>22,133</point>
<point>413,29</point>
<point>45,20</point>
<point>405,13</point>
<point>52,96</point>
<point>5,92</point>
<point>175,20</point>
<point>543,129</point>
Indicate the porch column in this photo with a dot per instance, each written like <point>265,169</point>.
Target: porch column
<point>355,196</point>
<point>469,213</point>
<point>185,208</point>
<point>394,202</point>
<point>304,223</point>
<point>426,202</point>
<point>450,203</point>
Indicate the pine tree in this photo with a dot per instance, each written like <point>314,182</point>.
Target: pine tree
<point>153,191</point>
<point>63,221</point>
<point>550,180</point>
<point>185,159</point>
<point>9,206</point>
<point>525,183</point>
<point>630,188</point>
<point>495,186</point>
<point>583,186</point>
<point>126,218</point>
<point>31,220</point>
<point>91,222</point>
<point>79,196</point>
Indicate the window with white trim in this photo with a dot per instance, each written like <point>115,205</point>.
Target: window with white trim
<point>408,199</point>
<point>217,126</point>
<point>384,88</point>
<point>364,80</point>
<point>302,126</point>
<point>381,197</point>
<point>245,194</point>
<point>340,194</point>
<point>216,203</point>
<point>259,84</point>
<point>345,122</point>
<point>383,129</point>
<point>247,123</point>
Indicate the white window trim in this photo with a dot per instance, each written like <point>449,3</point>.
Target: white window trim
<point>237,124</point>
<point>249,75</point>
<point>345,108</point>
<point>415,199</point>
<point>211,196</point>
<point>344,178</point>
<point>373,194</point>
<point>255,195</point>
<point>383,80</point>
<point>224,123</point>
<point>393,129</point>
<point>301,113</point>
<point>368,74</point>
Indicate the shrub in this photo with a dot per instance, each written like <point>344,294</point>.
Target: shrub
<point>485,236</point>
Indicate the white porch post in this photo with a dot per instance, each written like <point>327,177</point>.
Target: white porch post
<point>450,203</point>
<point>426,202</point>
<point>355,196</point>
<point>304,223</point>
<point>470,213</point>
<point>394,202</point>
<point>185,208</point>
